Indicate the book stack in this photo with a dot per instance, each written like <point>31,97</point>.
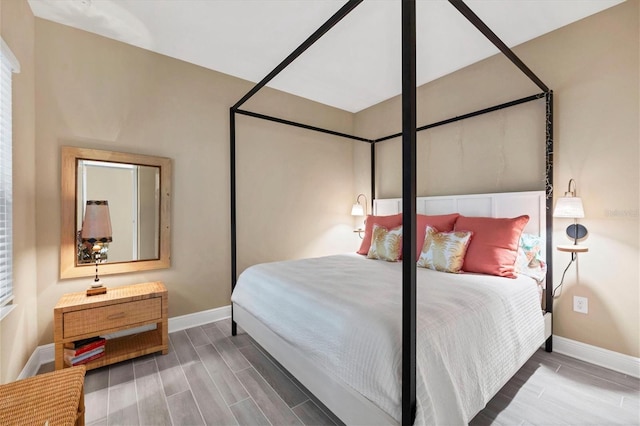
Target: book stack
<point>83,351</point>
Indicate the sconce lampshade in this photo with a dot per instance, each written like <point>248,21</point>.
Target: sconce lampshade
<point>569,206</point>
<point>357,210</point>
<point>96,226</point>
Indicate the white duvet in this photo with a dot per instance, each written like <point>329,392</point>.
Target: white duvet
<point>344,312</point>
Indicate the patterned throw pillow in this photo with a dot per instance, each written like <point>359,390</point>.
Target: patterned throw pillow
<point>442,222</point>
<point>387,221</point>
<point>529,261</point>
<point>386,244</point>
<point>531,246</point>
<point>444,251</point>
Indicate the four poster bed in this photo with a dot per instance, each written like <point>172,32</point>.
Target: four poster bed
<point>335,323</point>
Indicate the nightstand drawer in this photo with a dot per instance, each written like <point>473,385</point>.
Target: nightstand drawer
<point>95,320</point>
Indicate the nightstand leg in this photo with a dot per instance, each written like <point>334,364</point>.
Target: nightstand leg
<point>59,356</point>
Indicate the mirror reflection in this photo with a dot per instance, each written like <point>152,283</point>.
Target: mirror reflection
<point>133,195</point>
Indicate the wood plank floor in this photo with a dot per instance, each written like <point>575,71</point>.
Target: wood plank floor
<point>211,378</point>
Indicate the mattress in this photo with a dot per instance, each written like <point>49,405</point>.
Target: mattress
<point>344,314</point>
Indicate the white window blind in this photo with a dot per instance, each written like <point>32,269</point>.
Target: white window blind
<point>8,65</point>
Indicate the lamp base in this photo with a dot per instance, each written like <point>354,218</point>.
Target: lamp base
<point>92,291</point>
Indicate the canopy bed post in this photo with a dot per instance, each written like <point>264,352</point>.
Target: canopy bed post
<point>232,190</point>
<point>409,208</point>
<point>373,174</point>
<point>549,212</point>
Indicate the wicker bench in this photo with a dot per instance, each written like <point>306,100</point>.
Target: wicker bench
<point>55,398</point>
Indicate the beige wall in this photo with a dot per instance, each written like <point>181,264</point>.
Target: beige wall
<point>99,93</point>
<point>298,174</point>
<point>18,331</point>
<point>497,152</point>
<point>592,66</point>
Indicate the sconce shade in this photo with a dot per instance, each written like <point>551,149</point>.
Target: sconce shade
<point>569,207</point>
<point>96,225</point>
<point>357,210</point>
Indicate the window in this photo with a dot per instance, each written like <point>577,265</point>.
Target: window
<point>8,65</point>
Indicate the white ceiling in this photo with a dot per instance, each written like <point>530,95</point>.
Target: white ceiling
<point>355,65</point>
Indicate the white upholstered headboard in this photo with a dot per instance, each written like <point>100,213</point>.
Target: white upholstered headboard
<point>505,204</point>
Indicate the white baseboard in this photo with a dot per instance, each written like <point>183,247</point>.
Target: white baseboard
<point>46,353</point>
<point>41,355</point>
<point>603,357</point>
<point>199,318</point>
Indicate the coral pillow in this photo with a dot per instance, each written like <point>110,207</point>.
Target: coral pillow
<point>388,222</point>
<point>494,247</point>
<point>385,244</point>
<point>442,222</point>
<point>444,251</point>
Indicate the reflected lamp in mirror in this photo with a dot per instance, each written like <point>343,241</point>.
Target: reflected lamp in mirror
<point>359,209</point>
<point>570,206</point>
<point>95,233</point>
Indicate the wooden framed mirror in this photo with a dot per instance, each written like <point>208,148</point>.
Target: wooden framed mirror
<point>138,188</point>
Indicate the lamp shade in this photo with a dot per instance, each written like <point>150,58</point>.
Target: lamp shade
<point>569,207</point>
<point>357,210</point>
<point>96,225</point>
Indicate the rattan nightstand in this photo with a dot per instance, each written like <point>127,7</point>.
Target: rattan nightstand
<point>78,316</point>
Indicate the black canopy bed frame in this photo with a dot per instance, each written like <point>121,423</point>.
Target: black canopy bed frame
<point>408,134</point>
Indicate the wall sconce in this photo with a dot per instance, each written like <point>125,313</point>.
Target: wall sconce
<point>359,210</point>
<point>96,230</point>
<point>570,206</point>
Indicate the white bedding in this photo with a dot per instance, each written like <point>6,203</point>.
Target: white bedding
<point>344,313</point>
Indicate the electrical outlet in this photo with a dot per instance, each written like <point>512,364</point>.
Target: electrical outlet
<point>581,304</point>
